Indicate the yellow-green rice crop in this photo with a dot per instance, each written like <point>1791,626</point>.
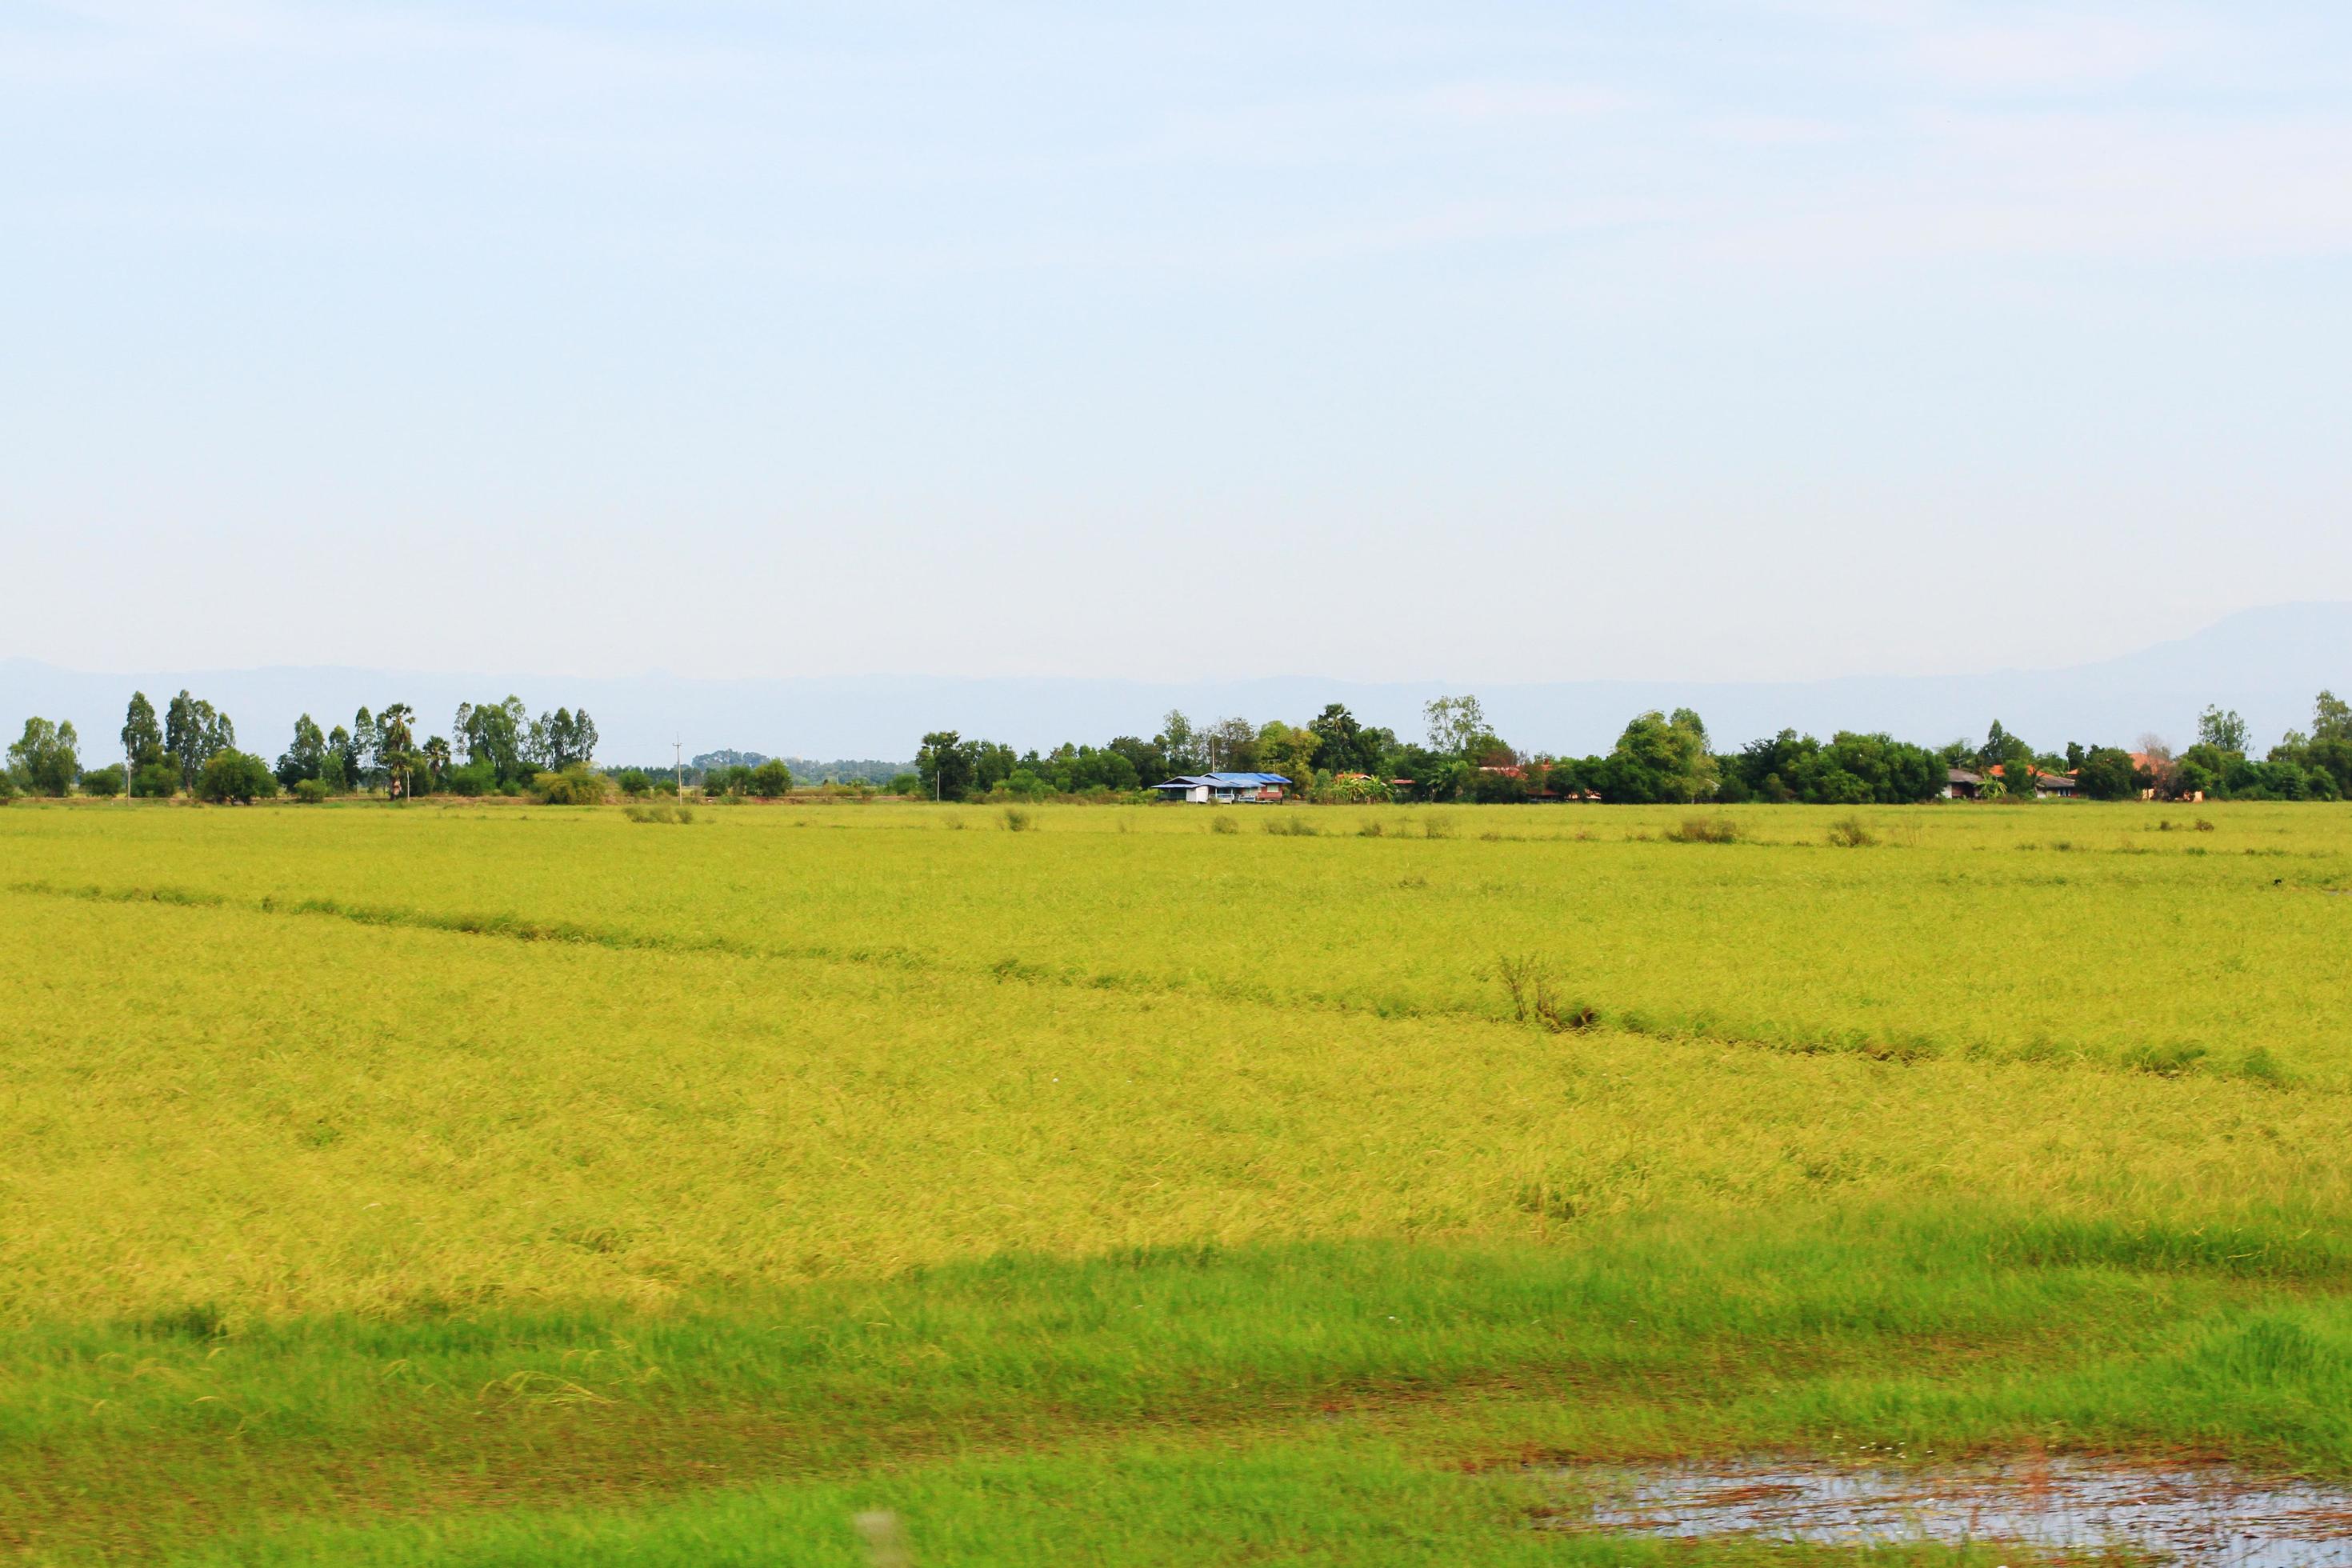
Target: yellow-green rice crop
<point>438,1158</point>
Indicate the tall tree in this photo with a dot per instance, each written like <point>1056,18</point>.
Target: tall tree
<point>45,760</point>
<point>1660,760</point>
<point>193,734</point>
<point>143,738</point>
<point>1289,751</point>
<point>367,749</point>
<point>1181,744</point>
<point>2222,728</point>
<point>1458,727</point>
<point>1343,747</point>
<point>1233,746</point>
<point>397,743</point>
<point>306,758</point>
<point>945,764</point>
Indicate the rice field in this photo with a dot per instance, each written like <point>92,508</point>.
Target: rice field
<point>490,1184</point>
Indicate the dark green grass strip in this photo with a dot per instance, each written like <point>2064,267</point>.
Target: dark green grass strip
<point>138,1438</point>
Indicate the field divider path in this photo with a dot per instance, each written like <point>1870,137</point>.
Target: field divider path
<point>1582,1015</point>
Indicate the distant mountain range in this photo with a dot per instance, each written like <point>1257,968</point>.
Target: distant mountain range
<point>2266,663</point>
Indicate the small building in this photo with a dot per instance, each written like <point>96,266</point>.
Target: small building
<point>1224,789</point>
<point>1960,784</point>
<point>2045,784</point>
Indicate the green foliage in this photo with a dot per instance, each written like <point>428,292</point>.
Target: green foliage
<point>45,760</point>
<point>1458,729</point>
<point>142,738</point>
<point>2222,730</point>
<point>1854,768</point>
<point>310,792</point>
<point>576,785</point>
<point>1849,833</point>
<point>156,781</point>
<point>1659,760</point>
<point>771,779</point>
<point>633,783</point>
<point>104,783</point>
<point>306,756</point>
<point>474,779</point>
<point>235,778</point>
<point>193,734</point>
<point>1704,830</point>
<point>2106,773</point>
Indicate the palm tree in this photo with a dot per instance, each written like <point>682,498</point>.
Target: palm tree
<point>396,727</point>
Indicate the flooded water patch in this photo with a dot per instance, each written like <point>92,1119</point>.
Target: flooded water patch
<point>2195,1516</point>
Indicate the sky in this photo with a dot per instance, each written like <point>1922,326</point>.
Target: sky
<point>1482,340</point>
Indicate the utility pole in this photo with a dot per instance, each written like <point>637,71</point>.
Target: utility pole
<point>677,760</point>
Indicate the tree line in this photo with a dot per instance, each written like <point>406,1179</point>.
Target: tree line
<point>1658,758</point>
<point>192,750</point>
<point>499,748</point>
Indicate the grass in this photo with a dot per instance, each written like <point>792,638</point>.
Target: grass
<point>500,1184</point>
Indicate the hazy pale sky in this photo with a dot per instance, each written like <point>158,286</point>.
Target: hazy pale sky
<point>1480,340</point>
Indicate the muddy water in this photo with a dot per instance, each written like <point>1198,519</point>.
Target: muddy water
<point>2197,1516</point>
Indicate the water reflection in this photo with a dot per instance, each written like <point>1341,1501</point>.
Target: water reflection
<point>2200,1515</point>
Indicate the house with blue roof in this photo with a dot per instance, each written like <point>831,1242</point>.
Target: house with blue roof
<point>1224,789</point>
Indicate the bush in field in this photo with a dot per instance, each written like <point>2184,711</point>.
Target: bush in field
<point>310,792</point>
<point>771,779</point>
<point>155,781</point>
<point>633,783</point>
<point>473,779</point>
<point>1850,833</point>
<point>659,811</point>
<point>1704,830</point>
<point>104,783</point>
<point>235,778</point>
<point>575,785</point>
<point>1018,820</point>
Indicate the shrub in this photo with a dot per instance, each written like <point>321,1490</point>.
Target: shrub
<point>1290,828</point>
<point>473,779</point>
<point>633,781</point>
<point>769,779</point>
<point>1849,833</point>
<point>1528,981</point>
<point>156,781</point>
<point>310,792</point>
<point>236,778</point>
<point>575,785</point>
<point>1224,825</point>
<point>1017,820</point>
<point>1705,830</point>
<point>906,784</point>
<point>104,783</point>
<point>1371,829</point>
<point>1437,828</point>
<point>659,811</point>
